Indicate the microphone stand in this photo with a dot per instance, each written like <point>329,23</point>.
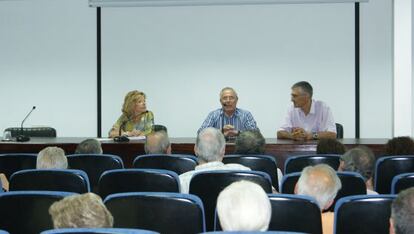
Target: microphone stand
<point>22,137</point>
<point>121,138</point>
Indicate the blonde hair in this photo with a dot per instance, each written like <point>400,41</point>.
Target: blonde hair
<point>130,99</point>
<point>51,158</point>
<point>244,206</point>
<point>81,211</point>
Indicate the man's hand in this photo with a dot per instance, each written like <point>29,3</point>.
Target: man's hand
<point>299,134</point>
<point>229,131</point>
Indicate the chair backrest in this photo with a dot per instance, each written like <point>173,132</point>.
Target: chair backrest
<point>27,212</point>
<point>94,165</point>
<point>138,180</point>
<point>10,163</point>
<point>363,214</point>
<point>339,131</point>
<point>4,232</point>
<point>169,213</point>
<point>352,184</point>
<point>297,163</point>
<point>388,167</point>
<point>33,132</point>
<point>173,162</point>
<point>208,184</point>
<point>401,182</point>
<point>264,163</point>
<point>51,180</point>
<point>98,231</point>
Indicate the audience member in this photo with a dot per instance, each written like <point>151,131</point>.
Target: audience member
<point>89,146</point>
<point>135,120</point>
<point>51,158</point>
<point>4,182</point>
<point>402,213</point>
<point>244,206</point>
<point>307,119</point>
<point>360,159</point>
<point>253,142</point>
<point>321,183</point>
<point>157,143</point>
<point>209,149</point>
<point>81,211</point>
<point>229,118</point>
<point>400,146</point>
<point>330,146</point>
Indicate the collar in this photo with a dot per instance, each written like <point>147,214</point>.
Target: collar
<point>209,165</point>
<point>236,113</point>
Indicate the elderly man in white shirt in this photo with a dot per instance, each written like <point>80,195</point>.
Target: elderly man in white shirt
<point>307,119</point>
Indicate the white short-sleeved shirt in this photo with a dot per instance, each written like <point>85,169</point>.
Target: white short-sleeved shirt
<point>319,119</point>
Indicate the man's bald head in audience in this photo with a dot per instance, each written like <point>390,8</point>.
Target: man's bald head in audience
<point>158,143</point>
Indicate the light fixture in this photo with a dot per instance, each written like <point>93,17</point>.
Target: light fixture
<point>161,3</point>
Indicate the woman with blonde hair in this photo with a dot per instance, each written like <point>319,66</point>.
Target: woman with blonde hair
<point>135,120</point>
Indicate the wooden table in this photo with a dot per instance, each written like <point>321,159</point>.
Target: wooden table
<point>280,149</point>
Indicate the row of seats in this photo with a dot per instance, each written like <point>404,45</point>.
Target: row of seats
<point>94,165</point>
<point>170,213</point>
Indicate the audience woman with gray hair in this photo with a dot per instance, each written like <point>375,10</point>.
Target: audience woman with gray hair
<point>321,183</point>
<point>244,206</point>
<point>209,149</point>
<point>51,158</point>
<point>360,159</point>
<point>81,211</point>
<point>402,213</point>
<point>89,146</point>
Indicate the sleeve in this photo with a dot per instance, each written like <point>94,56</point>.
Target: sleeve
<point>149,121</point>
<point>209,121</point>
<point>329,122</point>
<point>250,123</point>
<point>287,125</point>
<point>116,124</point>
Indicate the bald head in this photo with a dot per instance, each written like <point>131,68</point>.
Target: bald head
<point>158,143</point>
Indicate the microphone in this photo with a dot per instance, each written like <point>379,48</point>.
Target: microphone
<point>121,138</point>
<point>22,137</point>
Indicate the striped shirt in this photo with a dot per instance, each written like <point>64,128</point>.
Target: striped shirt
<point>242,120</point>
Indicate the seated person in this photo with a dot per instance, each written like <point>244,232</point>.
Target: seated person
<point>400,146</point>
<point>307,119</point>
<point>330,146</point>
<point>321,183</point>
<point>360,159</point>
<point>230,119</point>
<point>209,148</point>
<point>89,146</point>
<point>157,143</point>
<point>244,206</point>
<point>51,158</point>
<point>4,182</point>
<point>81,211</point>
<point>402,213</point>
<point>135,120</point>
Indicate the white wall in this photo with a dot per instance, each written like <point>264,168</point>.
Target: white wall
<point>49,51</point>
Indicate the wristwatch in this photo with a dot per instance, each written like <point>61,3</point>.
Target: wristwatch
<point>315,136</point>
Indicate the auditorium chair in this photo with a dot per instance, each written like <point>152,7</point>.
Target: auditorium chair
<point>339,131</point>
<point>138,180</point>
<point>252,232</point>
<point>98,231</point>
<point>264,163</point>
<point>297,163</point>
<point>51,180</point>
<point>33,131</point>
<point>352,184</point>
<point>12,162</point>
<point>94,165</point>
<point>4,232</point>
<point>27,212</point>
<point>293,213</point>
<point>363,214</point>
<point>166,213</point>
<point>401,182</point>
<point>389,166</point>
<point>179,163</point>
<point>208,184</point>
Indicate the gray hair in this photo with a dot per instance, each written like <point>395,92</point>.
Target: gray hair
<point>157,143</point>
<point>402,212</point>
<point>210,145</point>
<point>305,86</point>
<point>250,142</point>
<point>228,88</point>
<point>81,211</point>
<point>360,159</point>
<point>51,158</point>
<point>89,146</point>
<point>320,182</point>
<point>244,206</point>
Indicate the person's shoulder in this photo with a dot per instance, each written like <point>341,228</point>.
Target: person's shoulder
<point>236,166</point>
<point>150,114</point>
